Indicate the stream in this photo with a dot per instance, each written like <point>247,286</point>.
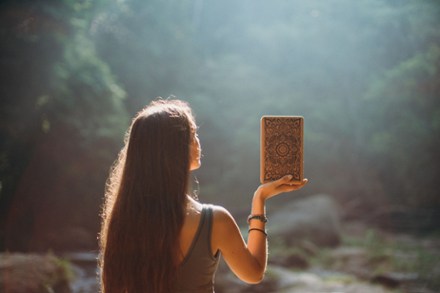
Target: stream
<point>84,266</point>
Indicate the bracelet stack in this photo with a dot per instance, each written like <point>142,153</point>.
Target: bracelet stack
<point>261,218</point>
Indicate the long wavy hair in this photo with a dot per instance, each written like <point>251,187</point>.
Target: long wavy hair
<point>145,200</point>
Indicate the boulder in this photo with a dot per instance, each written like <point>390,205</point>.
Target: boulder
<point>395,279</point>
<point>313,219</point>
<point>33,273</point>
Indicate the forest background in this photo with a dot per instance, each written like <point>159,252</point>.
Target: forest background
<point>364,74</point>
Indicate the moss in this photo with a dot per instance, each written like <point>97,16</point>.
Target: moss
<point>66,269</point>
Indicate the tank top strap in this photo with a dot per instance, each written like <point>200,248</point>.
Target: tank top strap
<point>196,272</point>
<point>206,228</point>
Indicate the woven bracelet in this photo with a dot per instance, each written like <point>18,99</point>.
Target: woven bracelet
<point>256,229</point>
<point>261,218</point>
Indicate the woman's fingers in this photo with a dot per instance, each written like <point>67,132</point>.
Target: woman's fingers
<point>284,179</point>
<point>292,185</point>
<point>288,180</point>
<point>299,184</point>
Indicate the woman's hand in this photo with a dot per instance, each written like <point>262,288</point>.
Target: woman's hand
<point>284,184</point>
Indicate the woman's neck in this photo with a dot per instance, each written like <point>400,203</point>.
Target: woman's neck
<point>192,204</point>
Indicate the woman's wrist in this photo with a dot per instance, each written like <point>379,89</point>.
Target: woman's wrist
<point>258,203</point>
<point>259,194</point>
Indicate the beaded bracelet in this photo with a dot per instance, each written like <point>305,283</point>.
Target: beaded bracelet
<point>256,229</point>
<point>262,218</point>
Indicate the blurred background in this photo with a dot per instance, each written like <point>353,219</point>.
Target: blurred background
<point>364,74</point>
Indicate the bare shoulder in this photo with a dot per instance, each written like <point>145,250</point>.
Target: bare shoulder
<point>223,218</point>
<point>225,229</point>
<point>220,213</point>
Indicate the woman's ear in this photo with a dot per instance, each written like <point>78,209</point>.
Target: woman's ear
<point>194,152</point>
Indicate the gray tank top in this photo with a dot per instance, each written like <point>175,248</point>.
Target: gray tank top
<point>197,270</point>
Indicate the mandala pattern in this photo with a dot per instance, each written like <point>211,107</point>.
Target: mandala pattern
<point>282,147</point>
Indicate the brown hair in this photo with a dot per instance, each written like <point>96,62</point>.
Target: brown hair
<point>144,201</point>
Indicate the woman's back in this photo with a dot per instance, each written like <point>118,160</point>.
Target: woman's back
<point>198,263</point>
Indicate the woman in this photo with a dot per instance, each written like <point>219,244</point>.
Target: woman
<point>154,236</point>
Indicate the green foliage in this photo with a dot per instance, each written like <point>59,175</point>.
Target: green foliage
<point>86,95</point>
<point>66,268</point>
<point>59,97</point>
<point>402,133</point>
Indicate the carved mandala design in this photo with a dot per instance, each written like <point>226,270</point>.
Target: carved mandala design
<point>283,147</point>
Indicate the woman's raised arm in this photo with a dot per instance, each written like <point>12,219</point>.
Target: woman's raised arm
<point>248,260</point>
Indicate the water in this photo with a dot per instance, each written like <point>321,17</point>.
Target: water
<point>84,266</point>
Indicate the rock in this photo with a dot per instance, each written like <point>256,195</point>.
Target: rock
<point>276,279</point>
<point>403,219</point>
<point>49,201</point>
<point>295,257</point>
<point>226,281</point>
<point>351,260</point>
<point>288,281</point>
<point>32,273</point>
<point>72,238</point>
<point>314,218</point>
<point>292,260</point>
<point>394,279</point>
<point>279,279</point>
<point>337,287</point>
